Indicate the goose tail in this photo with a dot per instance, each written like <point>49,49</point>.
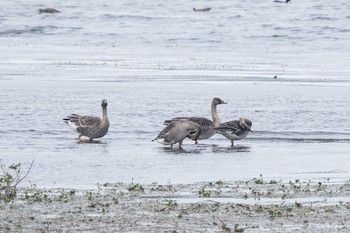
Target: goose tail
<point>70,123</point>
<point>160,140</point>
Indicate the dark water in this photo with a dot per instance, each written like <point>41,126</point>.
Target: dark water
<point>157,60</point>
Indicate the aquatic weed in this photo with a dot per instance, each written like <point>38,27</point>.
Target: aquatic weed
<point>136,188</point>
<point>169,205</point>
<point>219,182</point>
<point>259,180</point>
<point>34,195</point>
<point>204,193</point>
<point>161,188</point>
<point>345,186</point>
<point>10,178</point>
<point>274,214</point>
<point>91,195</point>
<point>238,229</point>
<point>224,227</point>
<point>65,196</point>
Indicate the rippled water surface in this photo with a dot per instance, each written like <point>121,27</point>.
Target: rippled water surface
<point>157,60</point>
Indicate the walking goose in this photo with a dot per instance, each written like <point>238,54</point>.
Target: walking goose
<point>235,130</point>
<point>89,126</point>
<point>177,131</point>
<point>207,126</point>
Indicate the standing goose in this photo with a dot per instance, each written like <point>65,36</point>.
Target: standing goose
<point>207,126</point>
<point>89,126</point>
<point>177,131</point>
<point>235,130</point>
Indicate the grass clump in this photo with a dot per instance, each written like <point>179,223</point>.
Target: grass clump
<point>10,177</point>
<point>136,188</point>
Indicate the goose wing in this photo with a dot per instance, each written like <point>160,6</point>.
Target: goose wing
<point>83,121</point>
<point>230,126</point>
<point>166,130</point>
<point>202,122</point>
<point>89,120</point>
<point>235,126</point>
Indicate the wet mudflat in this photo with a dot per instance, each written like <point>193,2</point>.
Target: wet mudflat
<point>255,205</point>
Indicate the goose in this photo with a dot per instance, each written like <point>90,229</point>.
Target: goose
<point>235,130</point>
<point>207,126</point>
<point>177,131</point>
<point>279,1</point>
<point>48,10</point>
<point>89,126</point>
<point>202,9</point>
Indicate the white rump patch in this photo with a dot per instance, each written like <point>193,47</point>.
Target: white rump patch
<point>162,141</point>
<point>72,125</point>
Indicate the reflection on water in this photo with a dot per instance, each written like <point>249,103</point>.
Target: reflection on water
<point>229,149</point>
<point>91,141</point>
<point>205,148</point>
<point>181,150</point>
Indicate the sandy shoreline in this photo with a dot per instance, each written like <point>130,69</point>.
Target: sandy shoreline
<point>243,206</point>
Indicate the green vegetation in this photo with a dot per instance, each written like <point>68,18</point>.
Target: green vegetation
<point>204,193</point>
<point>259,180</point>
<point>9,179</point>
<point>136,188</point>
<point>136,207</point>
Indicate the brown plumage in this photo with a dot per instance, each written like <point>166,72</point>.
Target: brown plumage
<point>90,126</point>
<point>177,131</point>
<point>207,126</point>
<point>235,130</point>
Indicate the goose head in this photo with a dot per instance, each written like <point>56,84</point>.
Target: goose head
<point>104,103</point>
<point>245,123</point>
<point>217,101</point>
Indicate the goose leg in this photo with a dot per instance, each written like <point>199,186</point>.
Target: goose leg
<point>180,144</point>
<point>78,138</point>
<point>231,143</point>
<point>195,142</point>
<point>86,140</point>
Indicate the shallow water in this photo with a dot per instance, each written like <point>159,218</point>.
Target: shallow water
<point>154,61</point>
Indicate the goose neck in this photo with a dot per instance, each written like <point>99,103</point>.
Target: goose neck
<point>104,114</point>
<point>215,115</point>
